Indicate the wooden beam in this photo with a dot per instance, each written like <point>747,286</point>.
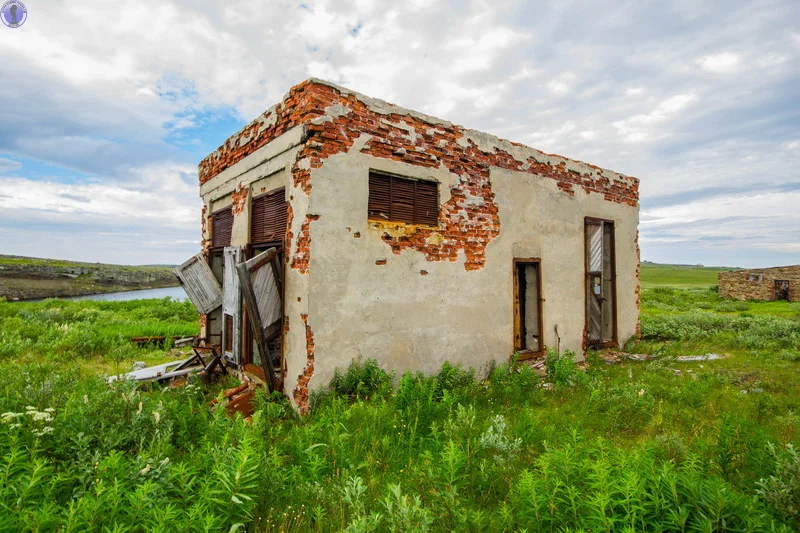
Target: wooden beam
<point>255,322</point>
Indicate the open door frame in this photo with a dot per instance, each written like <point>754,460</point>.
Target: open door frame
<point>613,342</point>
<point>519,311</point>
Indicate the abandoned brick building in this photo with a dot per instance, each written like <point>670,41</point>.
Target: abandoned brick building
<point>407,239</point>
<point>776,283</point>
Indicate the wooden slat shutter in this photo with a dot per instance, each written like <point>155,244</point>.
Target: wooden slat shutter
<point>268,217</point>
<point>221,228</point>
<point>260,279</point>
<point>427,203</point>
<point>231,304</point>
<point>379,196</point>
<point>200,285</point>
<point>403,200</point>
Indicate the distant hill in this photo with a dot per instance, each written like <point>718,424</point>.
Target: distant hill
<point>24,278</point>
<point>682,276</point>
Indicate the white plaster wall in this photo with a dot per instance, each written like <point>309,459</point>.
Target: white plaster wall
<point>408,321</point>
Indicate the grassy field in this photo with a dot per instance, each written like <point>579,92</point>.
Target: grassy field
<point>653,445</point>
<point>679,276</point>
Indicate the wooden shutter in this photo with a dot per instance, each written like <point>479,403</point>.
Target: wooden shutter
<point>200,285</point>
<point>260,279</point>
<point>231,304</point>
<point>427,203</point>
<point>403,200</point>
<point>221,228</point>
<point>268,217</point>
<point>380,196</point>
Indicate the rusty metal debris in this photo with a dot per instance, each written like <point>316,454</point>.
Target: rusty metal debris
<point>239,399</point>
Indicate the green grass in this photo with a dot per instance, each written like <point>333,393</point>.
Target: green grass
<point>679,276</point>
<point>14,260</point>
<point>656,445</point>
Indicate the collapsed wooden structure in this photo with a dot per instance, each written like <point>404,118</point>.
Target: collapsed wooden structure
<point>252,286</point>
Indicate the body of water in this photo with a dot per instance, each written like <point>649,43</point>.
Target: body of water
<point>176,293</point>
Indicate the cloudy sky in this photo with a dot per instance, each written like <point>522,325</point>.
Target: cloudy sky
<point>106,107</point>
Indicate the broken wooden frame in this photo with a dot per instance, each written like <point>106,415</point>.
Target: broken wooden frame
<point>260,281</point>
<point>202,288</point>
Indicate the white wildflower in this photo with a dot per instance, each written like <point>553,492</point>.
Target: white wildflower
<point>139,411</point>
<point>9,416</point>
<point>144,470</point>
<point>50,410</point>
<point>30,408</point>
<point>85,399</point>
<point>157,416</point>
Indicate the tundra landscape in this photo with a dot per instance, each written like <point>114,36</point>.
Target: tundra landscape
<point>643,439</point>
<point>400,267</point>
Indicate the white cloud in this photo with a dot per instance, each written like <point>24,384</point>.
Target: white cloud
<point>628,89</point>
<point>723,63</point>
<point>643,127</point>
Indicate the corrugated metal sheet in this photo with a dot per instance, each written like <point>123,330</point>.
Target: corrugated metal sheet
<point>268,217</point>
<point>200,285</point>
<point>398,199</point>
<point>221,228</point>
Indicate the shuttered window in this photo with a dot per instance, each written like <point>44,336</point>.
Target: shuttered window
<point>228,348</point>
<point>221,228</point>
<point>268,217</point>
<point>398,199</point>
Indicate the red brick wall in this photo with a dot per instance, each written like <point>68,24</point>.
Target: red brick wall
<point>468,221</point>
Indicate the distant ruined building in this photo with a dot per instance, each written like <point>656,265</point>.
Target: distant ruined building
<point>776,283</point>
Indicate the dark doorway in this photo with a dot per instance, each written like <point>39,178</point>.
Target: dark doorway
<point>601,291</point>
<point>527,307</point>
<point>782,289</point>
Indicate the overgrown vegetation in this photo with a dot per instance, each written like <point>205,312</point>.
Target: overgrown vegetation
<point>656,445</point>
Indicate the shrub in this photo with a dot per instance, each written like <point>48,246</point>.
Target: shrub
<point>561,369</point>
<point>782,489</point>
<point>361,380</point>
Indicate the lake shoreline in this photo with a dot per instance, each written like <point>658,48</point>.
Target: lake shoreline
<point>87,294</point>
<point>29,278</point>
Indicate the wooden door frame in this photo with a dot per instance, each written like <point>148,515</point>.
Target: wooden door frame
<point>614,342</point>
<point>519,326</point>
<point>247,343</point>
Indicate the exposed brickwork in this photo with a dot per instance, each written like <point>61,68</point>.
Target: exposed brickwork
<point>205,233</point>
<point>203,320</point>
<point>302,255</point>
<point>296,108</point>
<point>467,222</point>
<point>287,242</point>
<point>239,197</point>
<point>300,392</point>
<point>736,284</point>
